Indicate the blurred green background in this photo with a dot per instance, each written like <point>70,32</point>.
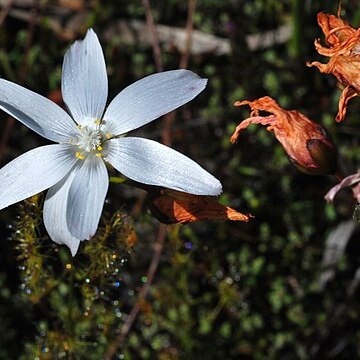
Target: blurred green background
<point>283,286</point>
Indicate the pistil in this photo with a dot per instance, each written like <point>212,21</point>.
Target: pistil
<point>90,140</point>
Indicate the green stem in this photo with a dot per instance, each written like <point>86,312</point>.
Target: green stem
<point>295,46</point>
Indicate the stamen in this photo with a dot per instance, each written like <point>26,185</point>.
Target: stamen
<point>89,140</point>
<point>79,155</point>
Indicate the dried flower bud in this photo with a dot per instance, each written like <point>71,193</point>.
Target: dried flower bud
<point>171,207</point>
<point>344,51</point>
<point>306,143</point>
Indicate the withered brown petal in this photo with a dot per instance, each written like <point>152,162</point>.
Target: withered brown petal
<point>347,94</point>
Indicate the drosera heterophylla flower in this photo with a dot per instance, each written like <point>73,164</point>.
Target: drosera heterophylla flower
<point>74,169</point>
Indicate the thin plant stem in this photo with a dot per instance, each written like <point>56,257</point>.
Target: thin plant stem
<point>4,13</point>
<point>154,36</point>
<point>158,248</point>
<point>184,60</point>
<point>297,33</point>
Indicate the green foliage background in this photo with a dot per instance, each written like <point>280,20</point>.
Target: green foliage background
<point>222,290</point>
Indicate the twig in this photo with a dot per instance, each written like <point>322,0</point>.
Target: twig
<point>184,60</point>
<point>23,74</point>
<point>154,35</point>
<point>159,244</point>
<point>169,118</point>
<point>188,31</point>
<point>4,13</point>
<point>28,43</point>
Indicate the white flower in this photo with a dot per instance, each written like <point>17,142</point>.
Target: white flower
<point>74,170</point>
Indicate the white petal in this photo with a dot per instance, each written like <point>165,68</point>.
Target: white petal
<point>36,112</point>
<point>54,214</point>
<point>86,198</point>
<point>151,163</point>
<point>84,79</point>
<point>150,98</point>
<point>34,171</point>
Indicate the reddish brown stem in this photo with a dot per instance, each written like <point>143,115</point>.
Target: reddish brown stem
<point>184,60</point>
<point>4,13</point>
<point>189,31</point>
<point>130,320</point>
<point>155,39</point>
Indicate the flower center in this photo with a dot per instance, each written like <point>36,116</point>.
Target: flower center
<point>90,140</point>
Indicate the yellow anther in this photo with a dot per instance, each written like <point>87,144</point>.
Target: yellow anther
<point>79,155</point>
<point>108,135</point>
<point>99,155</point>
<point>99,148</point>
<point>98,122</point>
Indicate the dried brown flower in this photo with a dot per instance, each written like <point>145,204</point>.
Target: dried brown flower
<point>343,48</point>
<point>306,143</point>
